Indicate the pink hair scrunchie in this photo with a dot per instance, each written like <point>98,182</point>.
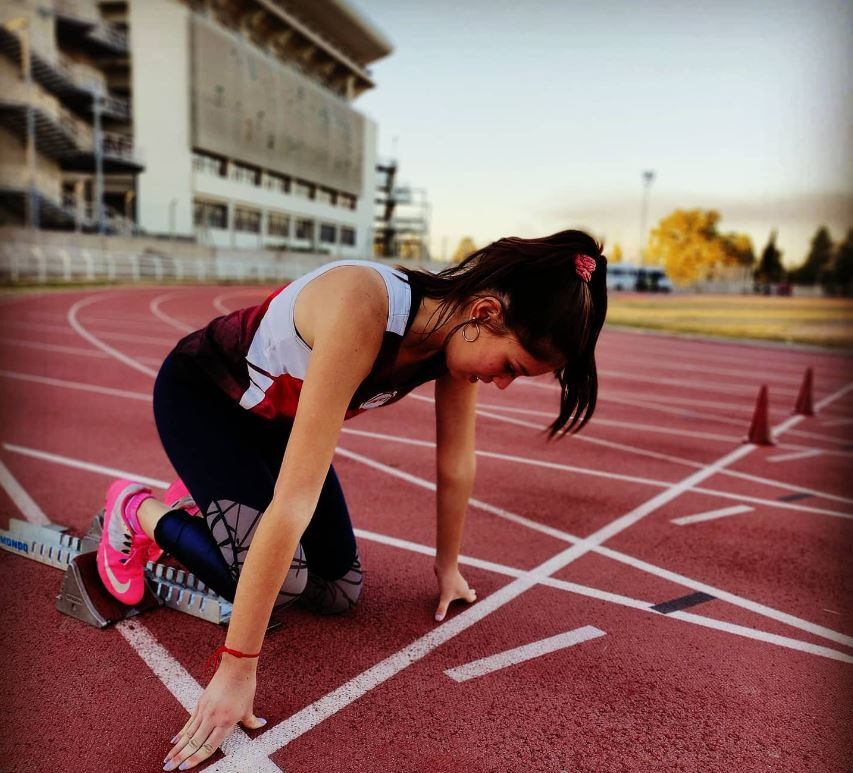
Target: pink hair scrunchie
<point>584,266</point>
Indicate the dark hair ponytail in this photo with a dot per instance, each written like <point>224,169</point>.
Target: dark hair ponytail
<point>556,315</point>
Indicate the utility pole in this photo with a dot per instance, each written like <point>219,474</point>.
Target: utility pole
<point>648,178</point>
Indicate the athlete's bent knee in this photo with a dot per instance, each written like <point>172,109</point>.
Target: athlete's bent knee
<point>331,597</point>
<point>295,582</point>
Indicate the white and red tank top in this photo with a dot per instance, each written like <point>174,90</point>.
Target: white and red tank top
<point>257,357</point>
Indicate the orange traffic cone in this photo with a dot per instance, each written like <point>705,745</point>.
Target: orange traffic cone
<point>804,400</point>
<point>759,430</point>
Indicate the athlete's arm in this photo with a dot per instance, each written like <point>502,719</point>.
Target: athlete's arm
<point>347,337</point>
<point>455,402</point>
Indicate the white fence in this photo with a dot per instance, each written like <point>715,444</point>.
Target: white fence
<point>26,263</point>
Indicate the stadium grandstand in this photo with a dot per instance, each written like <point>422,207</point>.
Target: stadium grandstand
<point>222,124</point>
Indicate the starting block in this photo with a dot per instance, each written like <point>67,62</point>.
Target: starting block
<point>82,594</point>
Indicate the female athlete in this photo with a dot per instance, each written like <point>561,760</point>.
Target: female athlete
<point>250,407</point>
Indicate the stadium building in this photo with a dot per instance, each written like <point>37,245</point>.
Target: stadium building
<point>228,122</point>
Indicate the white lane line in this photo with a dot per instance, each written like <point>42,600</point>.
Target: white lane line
<point>712,514</point>
<point>698,385</point>
<point>176,679</point>
<point>154,306</point>
<point>23,501</point>
<point>260,294</point>
<point>75,350</point>
<point>350,692</point>
<point>112,336</point>
<point>79,464</point>
<point>632,449</point>
<point>146,397</point>
<point>724,595</point>
<point>125,393</point>
<point>312,715</point>
<point>792,378</point>
<point>309,717</point>
<point>523,653</point>
<point>795,455</point>
<point>598,421</point>
<point>95,341</point>
<point>624,601</point>
<point>648,481</point>
<point>658,430</point>
<point>688,582</point>
<point>835,422</point>
<point>665,407</point>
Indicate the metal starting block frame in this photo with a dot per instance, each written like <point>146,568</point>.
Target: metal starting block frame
<point>82,594</point>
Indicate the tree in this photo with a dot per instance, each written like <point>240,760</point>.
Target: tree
<point>770,267</point>
<point>842,266</point>
<point>739,249</point>
<point>615,254</point>
<point>817,262</point>
<point>465,248</point>
<point>687,244</point>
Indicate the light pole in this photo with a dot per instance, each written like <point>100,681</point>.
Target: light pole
<point>648,178</point>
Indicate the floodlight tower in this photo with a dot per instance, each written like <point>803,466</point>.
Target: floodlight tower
<point>648,178</point>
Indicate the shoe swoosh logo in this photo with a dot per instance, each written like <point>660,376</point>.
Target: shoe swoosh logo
<point>121,587</point>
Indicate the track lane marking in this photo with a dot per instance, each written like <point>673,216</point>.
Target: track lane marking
<point>144,396</point>
<point>795,455</point>
<point>175,678</point>
<point>516,588</point>
<point>112,336</point>
<point>23,501</point>
<point>523,653</point>
<point>632,561</point>
<point>712,515</point>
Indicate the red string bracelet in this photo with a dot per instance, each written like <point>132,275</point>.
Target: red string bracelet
<point>212,660</point>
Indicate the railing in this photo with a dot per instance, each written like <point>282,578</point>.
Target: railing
<point>83,75</point>
<point>100,31</point>
<point>75,9</point>
<point>110,35</point>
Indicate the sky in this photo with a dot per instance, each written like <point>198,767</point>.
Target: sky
<point>527,118</point>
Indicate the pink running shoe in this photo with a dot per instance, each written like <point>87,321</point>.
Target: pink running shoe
<point>122,553</point>
<point>177,495</point>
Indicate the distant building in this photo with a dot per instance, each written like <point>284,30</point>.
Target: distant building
<point>229,123</point>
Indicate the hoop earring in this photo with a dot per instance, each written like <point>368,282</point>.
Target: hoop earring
<point>471,340</point>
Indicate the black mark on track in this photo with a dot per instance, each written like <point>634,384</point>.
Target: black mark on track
<point>684,602</point>
<point>795,497</point>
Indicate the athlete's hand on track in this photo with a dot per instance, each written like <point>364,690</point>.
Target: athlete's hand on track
<point>451,586</point>
<point>228,699</point>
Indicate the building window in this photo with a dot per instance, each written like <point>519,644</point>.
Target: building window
<point>304,229</point>
<point>325,195</point>
<point>247,220</point>
<point>327,233</point>
<point>278,225</point>
<point>346,201</point>
<point>244,174</point>
<point>207,164</point>
<point>276,182</point>
<point>306,190</point>
<point>348,236</point>
<point>208,214</point>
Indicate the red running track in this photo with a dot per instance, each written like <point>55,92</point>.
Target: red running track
<point>756,676</point>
